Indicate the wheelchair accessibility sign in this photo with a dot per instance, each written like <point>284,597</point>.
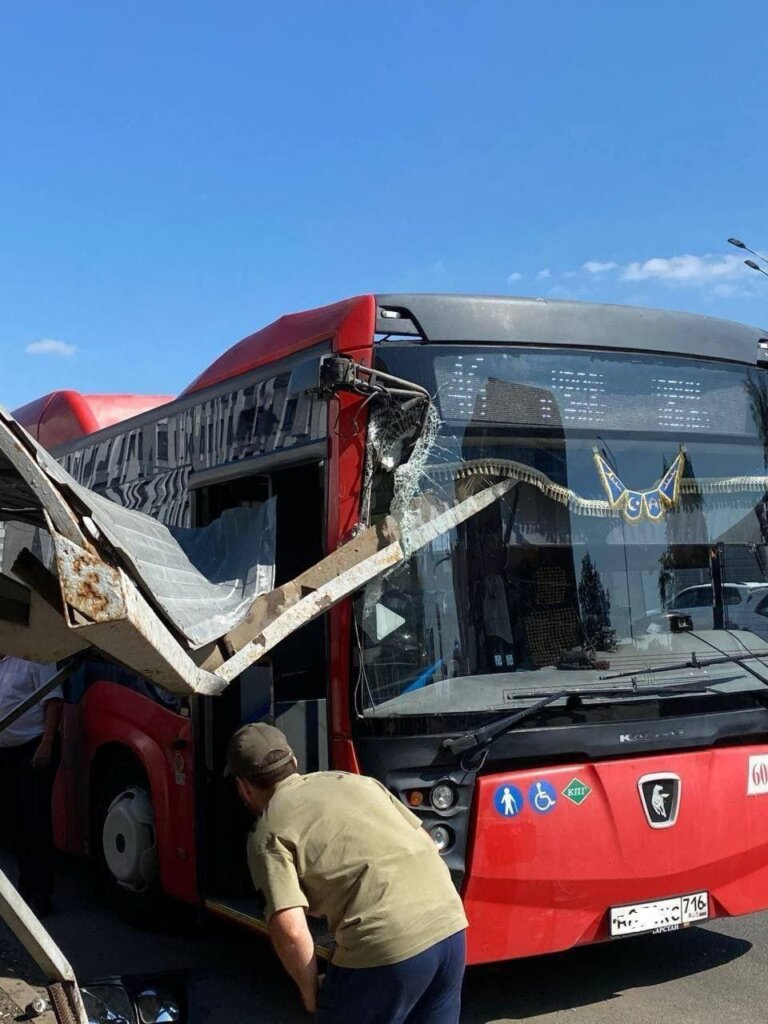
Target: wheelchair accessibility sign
<point>542,796</point>
<point>508,801</point>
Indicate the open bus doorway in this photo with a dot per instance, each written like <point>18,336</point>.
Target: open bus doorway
<point>288,689</point>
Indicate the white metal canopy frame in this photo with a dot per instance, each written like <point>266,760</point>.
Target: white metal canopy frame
<point>79,571</point>
<point>67,1002</point>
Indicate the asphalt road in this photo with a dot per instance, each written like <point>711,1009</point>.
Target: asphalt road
<point>714,973</point>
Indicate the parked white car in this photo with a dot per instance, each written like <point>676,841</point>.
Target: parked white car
<point>745,607</point>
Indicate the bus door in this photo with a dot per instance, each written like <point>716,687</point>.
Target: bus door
<point>287,689</point>
<point>299,663</point>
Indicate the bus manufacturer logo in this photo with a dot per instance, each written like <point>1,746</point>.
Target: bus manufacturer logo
<point>757,777</point>
<point>660,797</point>
<point>577,791</point>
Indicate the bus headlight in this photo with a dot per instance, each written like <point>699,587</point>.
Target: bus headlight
<point>442,837</point>
<point>443,796</point>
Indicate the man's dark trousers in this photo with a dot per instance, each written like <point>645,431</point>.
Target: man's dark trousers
<point>25,810</point>
<point>425,989</point>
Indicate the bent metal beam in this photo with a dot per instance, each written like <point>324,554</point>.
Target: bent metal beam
<point>90,596</point>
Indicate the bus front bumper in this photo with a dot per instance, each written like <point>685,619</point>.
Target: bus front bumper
<point>554,851</point>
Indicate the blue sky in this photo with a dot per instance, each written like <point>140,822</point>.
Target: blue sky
<point>175,175</point>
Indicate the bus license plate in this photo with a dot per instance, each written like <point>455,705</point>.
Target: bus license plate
<point>661,915</point>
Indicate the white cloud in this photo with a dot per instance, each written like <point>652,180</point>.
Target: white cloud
<point>734,288</point>
<point>516,276</point>
<point>50,347</point>
<point>599,266</point>
<point>685,270</point>
<point>544,274</point>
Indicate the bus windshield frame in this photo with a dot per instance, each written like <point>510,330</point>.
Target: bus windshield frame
<point>564,580</point>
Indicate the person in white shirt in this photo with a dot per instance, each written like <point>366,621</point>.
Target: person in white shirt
<point>30,750</point>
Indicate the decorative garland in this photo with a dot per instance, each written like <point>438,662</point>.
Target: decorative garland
<point>494,468</point>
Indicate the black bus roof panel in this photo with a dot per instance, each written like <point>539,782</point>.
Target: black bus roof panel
<point>503,319</point>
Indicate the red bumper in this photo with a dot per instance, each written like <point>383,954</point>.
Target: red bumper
<point>545,867</point>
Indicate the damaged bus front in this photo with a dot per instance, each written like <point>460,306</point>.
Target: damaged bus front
<point>563,686</point>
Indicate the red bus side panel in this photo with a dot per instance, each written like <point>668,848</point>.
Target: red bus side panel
<point>284,337</point>
<point>542,880</point>
<point>161,741</point>
<point>345,473</point>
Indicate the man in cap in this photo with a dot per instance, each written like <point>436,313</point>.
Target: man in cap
<point>343,847</point>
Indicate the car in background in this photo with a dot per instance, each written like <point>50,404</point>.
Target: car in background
<point>745,606</point>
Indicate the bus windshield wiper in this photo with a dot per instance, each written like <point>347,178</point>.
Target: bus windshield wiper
<point>752,672</point>
<point>486,734</point>
<point>694,662</point>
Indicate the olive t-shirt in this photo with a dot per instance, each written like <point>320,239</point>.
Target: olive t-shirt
<point>344,848</point>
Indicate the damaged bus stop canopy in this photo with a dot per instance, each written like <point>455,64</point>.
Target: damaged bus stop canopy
<point>187,609</point>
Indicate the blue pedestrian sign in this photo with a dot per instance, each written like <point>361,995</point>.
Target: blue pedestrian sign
<point>542,796</point>
<point>508,801</point>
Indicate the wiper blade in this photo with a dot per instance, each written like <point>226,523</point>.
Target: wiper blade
<point>693,662</point>
<point>761,678</point>
<point>684,686</point>
<point>486,734</point>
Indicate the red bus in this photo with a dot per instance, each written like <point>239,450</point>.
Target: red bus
<point>569,687</point>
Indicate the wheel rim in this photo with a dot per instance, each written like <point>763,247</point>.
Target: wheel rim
<point>129,841</point>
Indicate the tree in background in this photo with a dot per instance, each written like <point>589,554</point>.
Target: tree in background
<point>595,604</point>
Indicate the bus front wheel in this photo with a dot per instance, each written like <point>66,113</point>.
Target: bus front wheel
<point>125,843</point>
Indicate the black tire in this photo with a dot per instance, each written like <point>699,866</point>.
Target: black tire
<point>125,793</point>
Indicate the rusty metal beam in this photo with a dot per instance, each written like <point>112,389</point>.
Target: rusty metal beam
<point>45,636</point>
<point>105,608</point>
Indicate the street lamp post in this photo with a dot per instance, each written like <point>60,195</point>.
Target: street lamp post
<point>750,263</point>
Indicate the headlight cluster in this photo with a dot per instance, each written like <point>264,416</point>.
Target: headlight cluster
<point>443,798</point>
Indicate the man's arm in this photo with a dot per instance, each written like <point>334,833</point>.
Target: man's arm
<point>42,756</point>
<point>293,943</point>
<point>274,874</point>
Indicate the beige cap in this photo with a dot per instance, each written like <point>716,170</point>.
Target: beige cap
<point>249,748</point>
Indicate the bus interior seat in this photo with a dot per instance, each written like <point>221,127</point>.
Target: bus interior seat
<point>553,626</point>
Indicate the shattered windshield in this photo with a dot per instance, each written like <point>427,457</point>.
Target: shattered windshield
<point>632,535</point>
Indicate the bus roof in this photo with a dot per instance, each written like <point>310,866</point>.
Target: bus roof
<point>504,319</point>
<point>63,416</point>
<point>493,319</point>
<point>283,337</point>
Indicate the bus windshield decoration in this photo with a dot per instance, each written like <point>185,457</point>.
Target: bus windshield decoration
<point>638,505</point>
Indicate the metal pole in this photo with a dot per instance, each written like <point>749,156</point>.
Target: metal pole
<point>38,695</point>
<point>41,947</point>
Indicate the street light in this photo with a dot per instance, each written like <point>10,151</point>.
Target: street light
<point>753,266</point>
<point>742,245</point>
